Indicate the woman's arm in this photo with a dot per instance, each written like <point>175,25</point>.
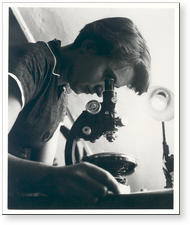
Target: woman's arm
<point>14,102</point>
<point>82,179</point>
<point>23,175</point>
<point>47,153</point>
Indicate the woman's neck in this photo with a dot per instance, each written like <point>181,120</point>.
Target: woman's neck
<point>68,54</point>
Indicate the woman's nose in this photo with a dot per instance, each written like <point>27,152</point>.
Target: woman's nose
<point>99,90</point>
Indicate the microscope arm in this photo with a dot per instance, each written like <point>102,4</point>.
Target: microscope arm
<point>88,127</point>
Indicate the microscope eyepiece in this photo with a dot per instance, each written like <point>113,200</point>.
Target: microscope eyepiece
<point>109,84</point>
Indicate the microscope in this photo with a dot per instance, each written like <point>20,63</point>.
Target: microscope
<point>101,119</point>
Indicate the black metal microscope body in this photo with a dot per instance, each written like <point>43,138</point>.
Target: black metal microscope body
<point>98,119</point>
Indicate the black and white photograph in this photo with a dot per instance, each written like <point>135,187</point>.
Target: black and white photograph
<point>91,108</point>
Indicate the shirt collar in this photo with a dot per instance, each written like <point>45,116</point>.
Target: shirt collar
<point>55,48</point>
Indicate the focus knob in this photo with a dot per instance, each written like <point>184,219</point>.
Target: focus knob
<point>93,107</point>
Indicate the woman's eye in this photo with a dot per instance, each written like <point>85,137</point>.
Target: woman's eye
<point>110,77</point>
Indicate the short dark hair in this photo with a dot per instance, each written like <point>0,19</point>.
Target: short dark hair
<point>119,39</point>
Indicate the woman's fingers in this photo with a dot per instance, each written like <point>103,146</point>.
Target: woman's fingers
<point>105,178</point>
<point>84,180</point>
<point>87,184</point>
<point>101,176</point>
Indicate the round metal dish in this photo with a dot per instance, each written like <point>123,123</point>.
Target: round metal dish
<point>118,164</point>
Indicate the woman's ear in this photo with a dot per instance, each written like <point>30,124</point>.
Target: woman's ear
<point>89,47</point>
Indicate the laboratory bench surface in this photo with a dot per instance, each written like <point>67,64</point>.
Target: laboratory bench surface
<point>161,199</point>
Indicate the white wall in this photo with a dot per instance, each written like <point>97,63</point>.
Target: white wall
<point>143,135</point>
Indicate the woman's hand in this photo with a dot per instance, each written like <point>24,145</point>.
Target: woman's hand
<point>80,182</point>
<point>83,180</point>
